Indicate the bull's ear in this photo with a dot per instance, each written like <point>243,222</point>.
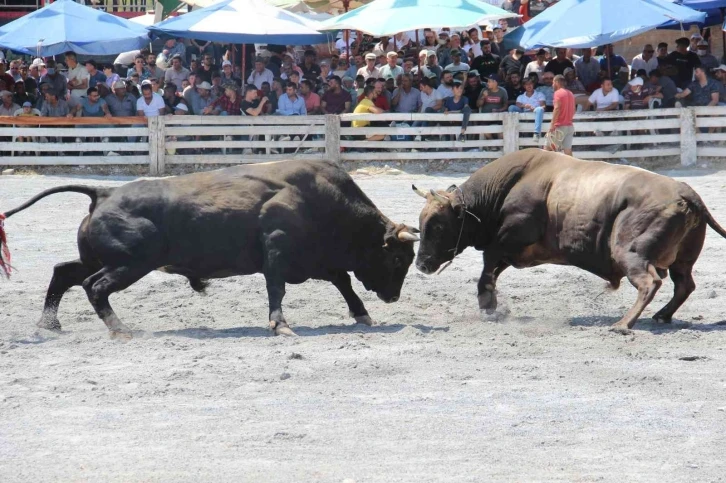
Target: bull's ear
<point>458,205</point>
<point>451,188</point>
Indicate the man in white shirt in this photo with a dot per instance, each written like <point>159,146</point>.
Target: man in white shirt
<point>261,74</point>
<point>150,104</point>
<point>531,101</point>
<point>370,69</point>
<point>391,70</point>
<point>77,75</point>
<point>537,66</point>
<point>606,98</point>
<point>457,65</point>
<point>341,45</point>
<point>645,60</point>
<point>472,47</point>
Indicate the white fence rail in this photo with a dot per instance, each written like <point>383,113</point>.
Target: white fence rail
<point>686,134</point>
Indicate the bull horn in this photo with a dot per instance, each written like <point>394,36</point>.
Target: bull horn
<point>405,236</point>
<point>418,191</point>
<point>440,198</point>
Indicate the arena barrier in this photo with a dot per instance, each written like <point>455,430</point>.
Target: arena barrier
<point>688,134</point>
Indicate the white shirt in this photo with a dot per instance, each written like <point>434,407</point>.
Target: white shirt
<point>257,78</point>
<point>462,67</point>
<point>535,101</point>
<point>476,48</point>
<point>649,65</point>
<point>342,46</point>
<point>444,91</point>
<point>152,109</point>
<point>126,58</point>
<point>375,73</point>
<point>429,100</point>
<point>80,73</point>
<point>535,67</point>
<point>602,101</point>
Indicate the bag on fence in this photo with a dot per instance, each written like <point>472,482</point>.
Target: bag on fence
<point>400,137</point>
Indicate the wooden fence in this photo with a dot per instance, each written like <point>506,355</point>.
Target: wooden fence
<point>159,142</point>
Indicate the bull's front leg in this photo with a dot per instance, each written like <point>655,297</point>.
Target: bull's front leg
<point>357,310</point>
<point>493,267</point>
<point>274,269</point>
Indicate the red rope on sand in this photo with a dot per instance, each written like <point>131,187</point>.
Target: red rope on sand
<point>4,250</point>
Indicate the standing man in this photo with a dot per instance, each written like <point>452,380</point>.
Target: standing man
<point>684,62</point>
<point>78,76</point>
<point>587,69</point>
<point>645,60</point>
<point>561,132</point>
<point>487,63</point>
<point>177,73</point>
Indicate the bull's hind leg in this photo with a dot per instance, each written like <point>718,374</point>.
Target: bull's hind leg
<point>65,276</point>
<point>102,284</point>
<point>683,287</point>
<point>645,278</point>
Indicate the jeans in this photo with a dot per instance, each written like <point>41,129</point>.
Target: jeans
<point>538,116</point>
<point>428,110</point>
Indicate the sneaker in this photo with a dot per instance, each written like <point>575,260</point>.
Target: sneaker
<point>247,151</point>
<point>79,140</point>
<point>417,138</point>
<point>285,138</point>
<point>228,138</point>
<point>104,140</point>
<point>536,137</point>
<point>599,133</point>
<point>462,138</point>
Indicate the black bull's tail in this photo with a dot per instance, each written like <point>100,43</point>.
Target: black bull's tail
<point>91,191</point>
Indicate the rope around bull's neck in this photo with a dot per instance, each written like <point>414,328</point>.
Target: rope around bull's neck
<point>461,232</point>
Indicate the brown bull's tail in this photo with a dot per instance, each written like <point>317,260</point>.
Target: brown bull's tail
<point>697,202</point>
<point>92,192</point>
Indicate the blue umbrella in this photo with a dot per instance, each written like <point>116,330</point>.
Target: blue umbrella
<point>713,9</point>
<point>388,17</point>
<point>589,23</point>
<point>66,25</point>
<point>242,22</point>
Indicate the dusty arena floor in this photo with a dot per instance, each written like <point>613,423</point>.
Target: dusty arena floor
<point>432,393</point>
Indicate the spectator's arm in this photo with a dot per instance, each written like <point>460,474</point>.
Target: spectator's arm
<point>140,113</point>
<point>347,106</point>
<point>439,103</point>
<point>555,116</point>
<point>685,93</point>
<point>396,97</point>
<point>482,95</point>
<point>324,106</point>
<point>303,108</point>
<point>375,110</point>
<point>714,99</point>
<point>612,107</point>
<point>106,112</point>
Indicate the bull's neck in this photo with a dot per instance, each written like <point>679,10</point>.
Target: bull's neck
<point>482,201</point>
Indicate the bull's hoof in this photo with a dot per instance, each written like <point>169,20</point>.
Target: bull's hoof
<point>49,323</point>
<point>281,329</point>
<point>120,334</point>
<point>619,329</point>
<point>362,319</point>
<point>487,301</point>
<point>662,319</point>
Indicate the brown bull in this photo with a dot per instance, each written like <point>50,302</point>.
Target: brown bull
<point>533,207</point>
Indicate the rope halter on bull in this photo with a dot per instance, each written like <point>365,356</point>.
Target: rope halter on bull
<point>464,211</point>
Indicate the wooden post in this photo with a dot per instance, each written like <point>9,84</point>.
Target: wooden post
<point>510,127</point>
<point>689,146</point>
<point>152,126</point>
<point>332,137</point>
<point>161,145</point>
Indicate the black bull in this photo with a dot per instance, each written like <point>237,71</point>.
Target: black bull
<point>533,207</point>
<point>291,221</point>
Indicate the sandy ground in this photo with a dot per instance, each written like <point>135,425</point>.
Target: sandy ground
<point>432,393</point>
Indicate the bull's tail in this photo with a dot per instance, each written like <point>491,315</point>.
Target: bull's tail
<point>91,191</point>
<point>697,202</point>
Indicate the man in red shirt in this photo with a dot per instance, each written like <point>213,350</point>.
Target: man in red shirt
<point>561,132</point>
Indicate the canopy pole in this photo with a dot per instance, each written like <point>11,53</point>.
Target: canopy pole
<point>418,57</point>
<point>346,33</point>
<point>244,77</point>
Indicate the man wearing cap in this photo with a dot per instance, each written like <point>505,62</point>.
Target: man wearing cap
<point>719,74</point>
<point>150,104</point>
<point>55,79</point>
<point>587,69</point>
<point>228,74</point>
<point>260,74</point>
<point>645,60</point>
<point>177,73</point>
<point>558,65</point>
<point>120,102</point>
<point>684,63</point>
<point>493,97</point>
<point>703,91</point>
<point>531,101</point>
<point>310,70</point>
<point>456,65</point>
<point>707,60</point>
<point>26,110</point>
<point>35,69</point>
<point>561,131</point>
<point>336,100</point>
<point>230,104</point>
<point>370,69</point>
<point>444,52</point>
<point>391,70</point>
<point>202,100</point>
<point>638,94</point>
<point>487,63</point>
<point>538,65</point>
<point>8,107</point>
<point>693,43</point>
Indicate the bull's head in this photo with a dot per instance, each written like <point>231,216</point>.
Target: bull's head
<point>386,269</point>
<point>440,223</point>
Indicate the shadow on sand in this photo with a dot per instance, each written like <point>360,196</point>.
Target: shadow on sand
<point>649,324</point>
<point>302,331</point>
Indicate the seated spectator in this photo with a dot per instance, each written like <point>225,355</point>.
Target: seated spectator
<point>203,99</point>
<point>290,103</point>
<point>91,105</point>
<point>547,90</point>
<point>587,69</point>
<point>472,47</point>
<point>150,104</point>
<point>171,49</point>
<point>95,76</point>
<point>606,98</point>
<point>431,100</point>
<point>31,84</point>
<point>575,86</point>
<point>720,75</point>
<point>177,73</point>
<point>181,109</point>
<point>56,81</point>
<point>53,106</point>
<point>155,70</point>
<point>171,97</point>
<point>391,70</point>
<point>662,54</point>
<point>610,62</point>
<point>336,100</point>
<point>493,98</point>
<point>26,110</point>
<point>21,96</point>
<point>537,66</point>
<point>707,60</point>
<point>260,74</point>
<point>155,86</point>
<point>645,60</point>
<point>251,105</point>
<point>309,69</point>
<point>446,88</point>
<point>111,77</point>
<point>531,101</point>
<point>230,104</point>
<point>8,107</point>
<point>703,91</point>
<point>381,100</point>
<point>207,68</point>
<point>36,70</point>
<point>406,98</point>
<point>638,94</point>
<point>512,63</point>
<point>665,86</point>
<point>370,69</point>
<point>514,88</point>
<point>228,74</point>
<point>621,81</point>
<point>312,100</point>
<point>558,65</point>
<point>473,88</point>
<point>459,103</point>
<point>120,103</point>
<point>366,106</point>
<point>15,69</point>
<point>139,68</point>
<point>457,65</point>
